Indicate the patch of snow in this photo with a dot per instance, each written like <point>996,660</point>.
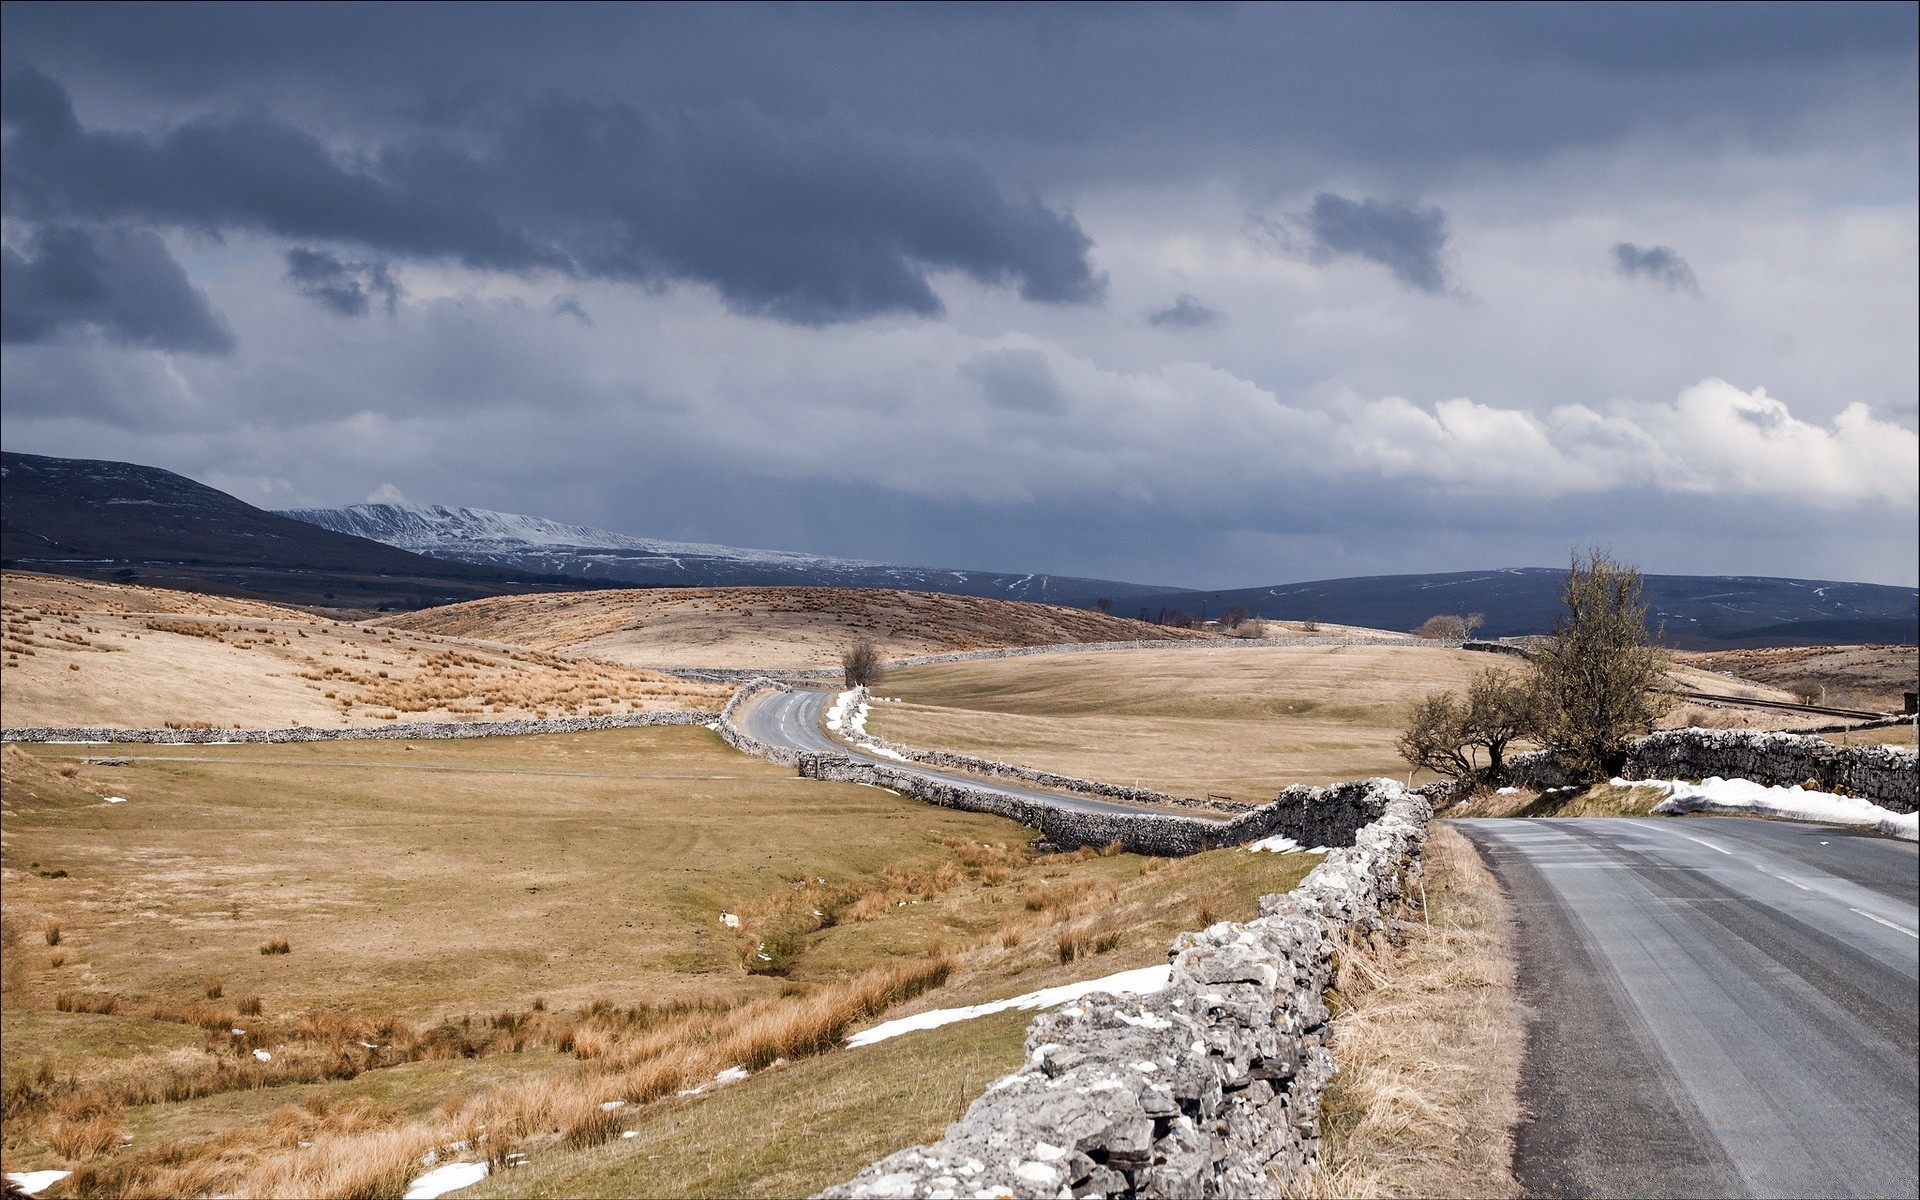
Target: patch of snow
<point>263,1055</point>
<point>1280,844</point>
<point>1138,982</point>
<point>729,920</point>
<point>449,1178</point>
<point>115,799</point>
<point>1719,795</point>
<point>731,1075</point>
<point>610,1105</point>
<point>35,1182</point>
<point>1507,791</point>
<point>629,1133</point>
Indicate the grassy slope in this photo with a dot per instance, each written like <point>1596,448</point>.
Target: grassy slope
<point>749,627</point>
<point>405,885</point>
<point>110,654</point>
<point>1242,721</point>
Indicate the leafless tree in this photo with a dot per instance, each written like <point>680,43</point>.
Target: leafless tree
<point>860,664</point>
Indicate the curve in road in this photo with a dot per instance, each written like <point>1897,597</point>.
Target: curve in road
<point>1721,1006</point>
<point>796,720</point>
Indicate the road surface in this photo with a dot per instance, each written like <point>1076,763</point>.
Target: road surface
<point>795,720</point>
<point>1721,1006</point>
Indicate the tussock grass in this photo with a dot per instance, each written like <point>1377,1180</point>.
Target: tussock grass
<point>1428,1035</point>
<point>276,946</point>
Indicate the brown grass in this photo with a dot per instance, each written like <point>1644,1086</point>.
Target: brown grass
<point>1428,1036</point>
<point>1239,721</point>
<point>110,654</point>
<point>766,626</point>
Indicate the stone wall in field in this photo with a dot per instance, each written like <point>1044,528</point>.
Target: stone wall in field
<point>1045,779</point>
<point>1208,1088</point>
<point>1311,816</point>
<point>397,731</point>
<point>1886,775</point>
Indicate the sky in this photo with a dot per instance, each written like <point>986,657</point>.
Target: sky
<point>1197,295</point>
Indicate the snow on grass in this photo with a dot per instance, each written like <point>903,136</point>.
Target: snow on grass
<point>1139,982</point>
<point>35,1182</point>
<point>1717,795</point>
<point>115,799</point>
<point>730,1075</point>
<point>1281,844</point>
<point>449,1178</point>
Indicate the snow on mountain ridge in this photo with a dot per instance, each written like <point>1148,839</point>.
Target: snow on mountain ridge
<point>425,528</point>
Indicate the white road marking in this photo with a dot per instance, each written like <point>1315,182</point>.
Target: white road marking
<point>1784,878</point>
<point>1882,920</point>
<point>1704,842</point>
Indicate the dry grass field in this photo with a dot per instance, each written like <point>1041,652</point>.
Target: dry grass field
<point>1242,721</point>
<point>766,626</point>
<point>1868,677</point>
<point>292,970</point>
<point>83,653</point>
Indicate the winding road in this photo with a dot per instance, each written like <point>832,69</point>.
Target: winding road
<point>1720,1006</point>
<point>796,720</point>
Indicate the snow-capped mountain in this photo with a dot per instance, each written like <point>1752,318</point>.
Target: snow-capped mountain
<point>521,542</point>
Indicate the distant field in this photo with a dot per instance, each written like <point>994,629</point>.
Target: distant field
<point>1868,677</point>
<point>766,626</point>
<point>1239,721</point>
<point>81,653</point>
<point>516,926</point>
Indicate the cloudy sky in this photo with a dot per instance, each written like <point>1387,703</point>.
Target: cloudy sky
<point>1204,295</point>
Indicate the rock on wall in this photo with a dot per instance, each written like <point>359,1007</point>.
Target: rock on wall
<point>1209,1088</point>
<point>1886,775</point>
<point>405,731</point>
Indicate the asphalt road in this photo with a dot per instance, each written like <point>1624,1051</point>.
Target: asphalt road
<point>797,719</point>
<point>1721,1006</point>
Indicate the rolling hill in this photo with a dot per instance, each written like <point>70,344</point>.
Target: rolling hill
<point>766,627</point>
<point>1697,611</point>
<point>124,522</point>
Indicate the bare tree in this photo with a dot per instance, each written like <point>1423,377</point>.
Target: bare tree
<point>1595,678</point>
<point>1233,617</point>
<point>1473,622</point>
<point>1104,604</point>
<point>1466,738</point>
<point>1444,628</point>
<point>860,664</point>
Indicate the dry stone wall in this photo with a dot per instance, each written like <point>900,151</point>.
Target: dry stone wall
<point>1208,1088</point>
<point>1886,775</point>
<point>1046,779</point>
<point>402,731</point>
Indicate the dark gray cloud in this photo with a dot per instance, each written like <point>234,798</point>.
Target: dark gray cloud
<point>122,282</point>
<point>1406,240</point>
<point>1123,89</point>
<point>348,288</point>
<point>811,224</point>
<point>1658,263</point>
<point>1186,312</point>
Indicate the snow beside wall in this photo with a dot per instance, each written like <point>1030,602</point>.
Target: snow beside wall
<point>1745,797</point>
<point>1140,981</point>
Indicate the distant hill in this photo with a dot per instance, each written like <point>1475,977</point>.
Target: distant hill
<point>767,627</point>
<point>124,522</point>
<point>518,542</point>
<point>1697,611</point>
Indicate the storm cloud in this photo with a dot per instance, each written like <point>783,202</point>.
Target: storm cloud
<point>1657,263</point>
<point>121,282</point>
<point>1406,240</point>
<point>1186,312</point>
<point>350,289</point>
<point>1152,292</point>
<point>812,224</point>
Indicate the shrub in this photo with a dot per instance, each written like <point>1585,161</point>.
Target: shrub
<point>214,989</point>
<point>276,946</point>
<point>51,931</point>
<point>860,664</point>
